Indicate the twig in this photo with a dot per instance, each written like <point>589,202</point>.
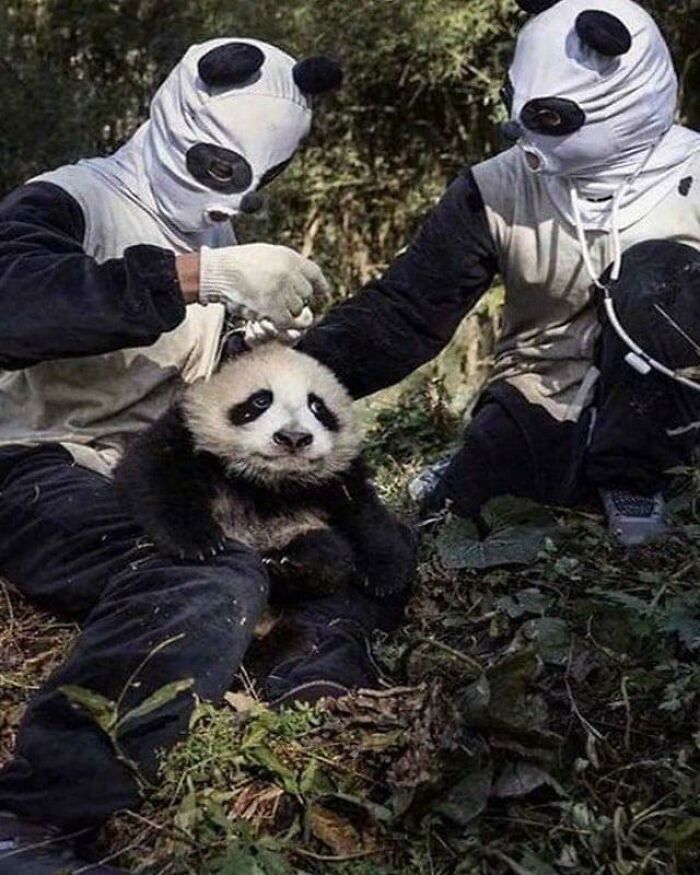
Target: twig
<point>628,710</point>
<point>176,833</point>
<point>474,664</point>
<point>509,861</point>
<point>337,858</point>
<point>10,609</point>
<point>108,859</point>
<point>46,843</point>
<point>587,725</point>
<point>139,668</point>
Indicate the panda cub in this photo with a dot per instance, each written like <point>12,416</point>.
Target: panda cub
<point>267,452</point>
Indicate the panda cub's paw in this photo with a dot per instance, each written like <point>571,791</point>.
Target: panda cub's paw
<point>202,552</point>
<point>391,566</point>
<point>318,562</point>
<point>187,548</point>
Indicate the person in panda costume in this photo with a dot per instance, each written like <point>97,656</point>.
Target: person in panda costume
<point>116,278</point>
<point>592,220</point>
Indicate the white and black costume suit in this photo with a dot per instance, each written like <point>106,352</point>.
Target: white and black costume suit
<point>593,97</point>
<point>95,340</point>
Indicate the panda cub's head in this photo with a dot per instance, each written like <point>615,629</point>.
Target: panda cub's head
<point>272,415</point>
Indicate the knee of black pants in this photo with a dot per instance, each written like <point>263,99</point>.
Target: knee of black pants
<point>211,609</point>
<point>657,299</point>
<point>514,447</point>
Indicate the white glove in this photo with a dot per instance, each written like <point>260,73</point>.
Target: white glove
<point>262,330</point>
<point>261,281</point>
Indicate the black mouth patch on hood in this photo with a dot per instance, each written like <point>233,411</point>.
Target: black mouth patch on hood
<point>220,169</point>
<point>553,116</point>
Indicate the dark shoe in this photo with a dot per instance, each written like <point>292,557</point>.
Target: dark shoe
<point>425,488</point>
<point>635,519</point>
<point>30,849</point>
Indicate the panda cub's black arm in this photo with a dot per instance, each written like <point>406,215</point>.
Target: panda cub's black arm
<point>385,548</point>
<point>170,489</point>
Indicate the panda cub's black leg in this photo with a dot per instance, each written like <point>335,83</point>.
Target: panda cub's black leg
<point>385,548</point>
<point>316,563</point>
<point>170,490</point>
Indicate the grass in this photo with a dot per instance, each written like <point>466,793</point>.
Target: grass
<point>545,720</point>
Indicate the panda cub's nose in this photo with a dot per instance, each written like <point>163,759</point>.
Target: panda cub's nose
<point>293,440</point>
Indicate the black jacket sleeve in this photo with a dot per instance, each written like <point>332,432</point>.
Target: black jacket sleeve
<point>406,317</point>
<point>58,302</point>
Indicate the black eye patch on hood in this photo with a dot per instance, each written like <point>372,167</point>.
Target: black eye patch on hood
<point>219,169</point>
<point>554,116</point>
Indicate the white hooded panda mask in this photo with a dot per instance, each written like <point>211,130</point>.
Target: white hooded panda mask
<point>226,121</point>
<point>593,98</point>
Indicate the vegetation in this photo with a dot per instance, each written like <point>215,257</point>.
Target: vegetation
<point>420,100</point>
<point>547,718</point>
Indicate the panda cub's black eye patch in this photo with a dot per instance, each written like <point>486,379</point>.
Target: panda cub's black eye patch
<point>554,116</point>
<point>250,409</point>
<point>218,168</point>
<point>326,417</point>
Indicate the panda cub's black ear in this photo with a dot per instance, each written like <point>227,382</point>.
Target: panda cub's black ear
<point>603,32</point>
<point>318,75</point>
<point>534,7</point>
<point>230,64</point>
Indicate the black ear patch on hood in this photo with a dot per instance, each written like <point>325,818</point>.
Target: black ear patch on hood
<point>534,7</point>
<point>603,32</point>
<point>317,75</point>
<point>230,64</point>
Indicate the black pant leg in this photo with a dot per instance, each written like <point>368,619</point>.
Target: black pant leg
<point>514,447</point>
<point>66,542</point>
<point>649,423</point>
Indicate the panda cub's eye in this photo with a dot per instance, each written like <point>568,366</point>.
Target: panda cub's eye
<point>250,409</point>
<point>325,416</point>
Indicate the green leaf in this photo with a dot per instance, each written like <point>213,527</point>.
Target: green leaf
<point>527,601</point>
<point>517,532</point>
<point>238,861</point>
<point>379,812</point>
<point>156,700</point>
<point>466,799</point>
<point>263,756</point>
<point>535,865</point>
<point>102,710</point>
<point>314,781</point>
<point>271,863</point>
<point>685,838</point>
<point>551,636</point>
<point>682,618</point>
<point>521,778</point>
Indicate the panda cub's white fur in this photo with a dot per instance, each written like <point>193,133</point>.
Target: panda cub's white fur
<point>267,453</point>
<point>249,449</point>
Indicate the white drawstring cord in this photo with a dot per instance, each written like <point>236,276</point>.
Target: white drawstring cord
<point>636,358</point>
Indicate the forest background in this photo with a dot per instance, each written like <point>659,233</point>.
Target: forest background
<point>420,101</point>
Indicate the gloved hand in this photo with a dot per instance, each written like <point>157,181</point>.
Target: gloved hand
<point>262,330</point>
<point>261,281</point>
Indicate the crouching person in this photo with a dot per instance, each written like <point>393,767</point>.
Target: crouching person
<point>600,178</point>
<point>104,270</point>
